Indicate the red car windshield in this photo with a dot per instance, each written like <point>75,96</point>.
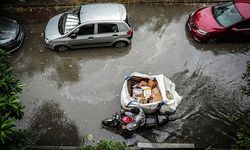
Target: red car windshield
<point>226,14</point>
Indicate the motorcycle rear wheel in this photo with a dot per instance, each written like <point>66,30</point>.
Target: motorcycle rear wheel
<point>126,133</point>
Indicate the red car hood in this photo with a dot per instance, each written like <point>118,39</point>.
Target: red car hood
<point>204,20</point>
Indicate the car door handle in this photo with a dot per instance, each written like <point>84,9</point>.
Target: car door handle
<point>91,38</point>
<point>115,34</point>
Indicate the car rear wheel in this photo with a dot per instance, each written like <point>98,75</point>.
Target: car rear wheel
<point>120,44</point>
<point>61,48</point>
<point>212,40</point>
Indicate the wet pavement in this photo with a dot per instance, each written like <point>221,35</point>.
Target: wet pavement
<point>68,94</point>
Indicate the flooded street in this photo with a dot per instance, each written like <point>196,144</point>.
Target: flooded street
<point>68,94</point>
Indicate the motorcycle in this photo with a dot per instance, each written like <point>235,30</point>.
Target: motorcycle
<point>128,120</point>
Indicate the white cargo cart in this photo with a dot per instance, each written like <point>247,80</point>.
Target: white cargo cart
<point>164,84</point>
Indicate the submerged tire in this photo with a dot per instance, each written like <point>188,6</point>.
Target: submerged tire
<point>61,48</point>
<point>212,40</point>
<point>120,44</point>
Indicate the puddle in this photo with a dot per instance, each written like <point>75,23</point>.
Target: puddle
<point>86,83</point>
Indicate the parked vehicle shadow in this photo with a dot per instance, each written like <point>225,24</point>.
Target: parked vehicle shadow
<point>35,58</point>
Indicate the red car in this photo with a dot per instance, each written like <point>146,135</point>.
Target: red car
<point>224,22</point>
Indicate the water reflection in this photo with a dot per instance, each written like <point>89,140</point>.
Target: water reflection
<point>35,58</point>
<point>101,53</point>
<point>49,126</point>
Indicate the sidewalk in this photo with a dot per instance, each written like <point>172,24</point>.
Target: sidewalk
<point>42,3</point>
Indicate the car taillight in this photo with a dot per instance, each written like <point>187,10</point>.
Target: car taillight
<point>130,33</point>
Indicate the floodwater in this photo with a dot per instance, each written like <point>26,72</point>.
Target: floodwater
<point>68,94</point>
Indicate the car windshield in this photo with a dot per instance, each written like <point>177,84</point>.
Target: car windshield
<point>69,20</point>
<point>226,14</point>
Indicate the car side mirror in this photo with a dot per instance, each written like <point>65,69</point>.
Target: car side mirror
<point>73,35</point>
<point>234,29</point>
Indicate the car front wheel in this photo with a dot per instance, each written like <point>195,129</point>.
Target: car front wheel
<point>61,48</point>
<point>212,40</point>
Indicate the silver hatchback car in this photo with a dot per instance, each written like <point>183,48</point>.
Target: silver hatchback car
<point>90,25</point>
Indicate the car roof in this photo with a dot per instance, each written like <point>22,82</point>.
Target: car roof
<point>243,7</point>
<point>102,12</point>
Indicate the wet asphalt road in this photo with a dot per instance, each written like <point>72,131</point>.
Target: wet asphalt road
<point>68,94</point>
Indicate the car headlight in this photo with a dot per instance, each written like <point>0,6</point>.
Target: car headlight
<point>201,32</point>
<point>47,41</point>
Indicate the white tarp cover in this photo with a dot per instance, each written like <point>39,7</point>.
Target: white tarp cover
<point>164,84</point>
